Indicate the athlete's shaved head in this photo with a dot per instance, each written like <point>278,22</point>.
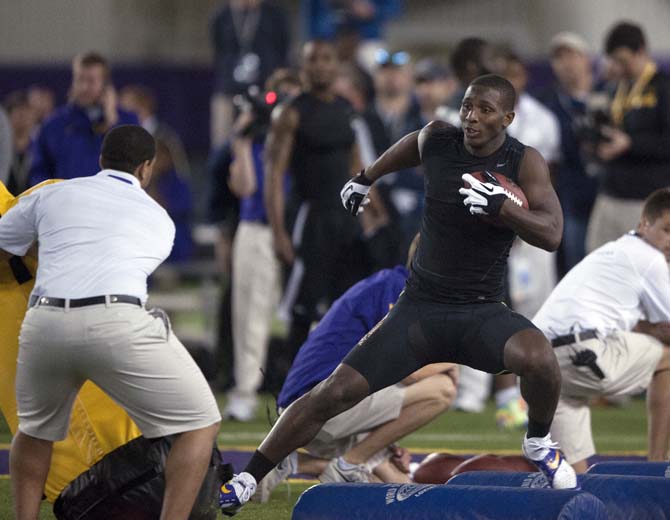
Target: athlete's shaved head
<point>503,86</point>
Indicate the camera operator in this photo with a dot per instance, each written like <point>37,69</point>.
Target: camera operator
<point>636,148</point>
<point>255,268</point>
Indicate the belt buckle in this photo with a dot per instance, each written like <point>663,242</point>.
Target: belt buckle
<point>583,333</point>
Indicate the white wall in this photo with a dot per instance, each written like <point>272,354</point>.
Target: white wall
<point>49,31</point>
<point>125,30</point>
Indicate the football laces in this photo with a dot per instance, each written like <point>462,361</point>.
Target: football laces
<point>513,197</point>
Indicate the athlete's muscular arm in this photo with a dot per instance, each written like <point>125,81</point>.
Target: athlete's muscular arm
<point>4,255</point>
<point>278,150</point>
<point>403,154</point>
<point>542,226</point>
<point>406,153</point>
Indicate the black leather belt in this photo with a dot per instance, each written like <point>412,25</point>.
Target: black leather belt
<point>83,302</point>
<point>569,339</point>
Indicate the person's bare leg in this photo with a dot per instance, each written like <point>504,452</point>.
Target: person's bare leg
<point>29,462</point>
<point>389,472</point>
<point>185,470</point>
<point>581,466</point>
<point>301,421</point>
<point>658,410</point>
<point>423,401</point>
<point>311,465</point>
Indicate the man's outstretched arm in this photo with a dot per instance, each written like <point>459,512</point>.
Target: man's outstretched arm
<point>403,154</point>
<point>406,153</point>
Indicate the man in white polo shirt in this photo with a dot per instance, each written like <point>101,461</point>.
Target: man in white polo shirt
<point>99,238</point>
<point>589,318</point>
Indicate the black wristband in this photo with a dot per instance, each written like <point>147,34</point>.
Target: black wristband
<point>362,179</point>
<point>495,203</point>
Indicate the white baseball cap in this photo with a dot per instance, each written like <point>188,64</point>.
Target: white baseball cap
<point>569,40</point>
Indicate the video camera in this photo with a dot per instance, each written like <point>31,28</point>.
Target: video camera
<point>260,104</point>
<point>588,130</point>
<point>597,114</point>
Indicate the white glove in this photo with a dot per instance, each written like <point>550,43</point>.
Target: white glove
<point>354,194</point>
<point>482,198</point>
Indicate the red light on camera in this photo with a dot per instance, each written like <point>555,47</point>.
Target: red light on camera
<point>271,98</point>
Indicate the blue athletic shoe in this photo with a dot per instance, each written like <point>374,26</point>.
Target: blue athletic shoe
<point>236,492</point>
<point>556,469</point>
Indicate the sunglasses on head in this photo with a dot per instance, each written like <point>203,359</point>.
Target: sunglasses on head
<point>386,58</point>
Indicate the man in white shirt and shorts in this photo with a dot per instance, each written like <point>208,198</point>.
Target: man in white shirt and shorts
<point>590,317</point>
<point>99,238</point>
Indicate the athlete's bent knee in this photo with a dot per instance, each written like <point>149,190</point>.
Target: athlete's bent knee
<point>542,361</point>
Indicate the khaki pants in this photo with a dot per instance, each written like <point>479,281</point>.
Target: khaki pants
<point>611,218</point>
<point>628,361</point>
<point>130,354</point>
<point>343,431</point>
<point>255,297</point>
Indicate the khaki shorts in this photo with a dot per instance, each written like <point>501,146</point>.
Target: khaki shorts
<point>628,361</point>
<point>130,354</point>
<point>343,431</point>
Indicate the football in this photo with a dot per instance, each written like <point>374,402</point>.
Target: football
<point>436,468</point>
<point>519,463</point>
<point>512,189</point>
<point>488,462</point>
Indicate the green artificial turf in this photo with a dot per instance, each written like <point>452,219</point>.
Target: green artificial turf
<point>616,431</point>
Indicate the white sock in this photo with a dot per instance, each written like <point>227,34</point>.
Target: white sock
<point>506,395</point>
<point>536,448</point>
<point>343,464</point>
<point>247,479</point>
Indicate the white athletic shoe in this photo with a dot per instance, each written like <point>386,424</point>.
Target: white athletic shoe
<point>239,409</point>
<point>281,472</point>
<point>549,459</point>
<point>338,470</point>
<point>236,492</point>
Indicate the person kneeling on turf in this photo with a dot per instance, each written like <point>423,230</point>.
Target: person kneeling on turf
<point>590,317</point>
<point>356,445</point>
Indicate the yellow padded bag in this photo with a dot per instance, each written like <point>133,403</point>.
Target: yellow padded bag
<point>97,426</point>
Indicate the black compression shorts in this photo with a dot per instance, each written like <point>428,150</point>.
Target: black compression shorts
<point>416,333</point>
